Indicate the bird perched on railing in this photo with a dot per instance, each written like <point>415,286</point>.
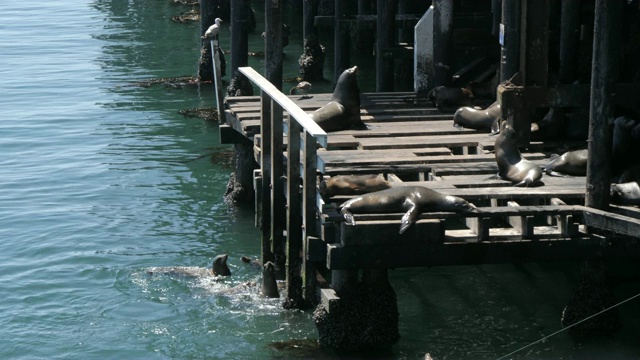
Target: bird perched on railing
<point>302,86</point>
<point>212,31</point>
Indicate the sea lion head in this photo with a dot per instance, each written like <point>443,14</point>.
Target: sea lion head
<point>220,267</point>
<point>269,284</point>
<point>347,91</point>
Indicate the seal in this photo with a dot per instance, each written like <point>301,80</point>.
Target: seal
<point>625,193</point>
<point>269,284</point>
<point>511,165</point>
<point>487,119</point>
<point>219,268</point>
<point>352,185</point>
<point>412,200</point>
<point>343,110</point>
<point>450,98</point>
<point>571,163</point>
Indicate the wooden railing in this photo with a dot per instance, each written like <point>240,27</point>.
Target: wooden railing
<point>296,212</point>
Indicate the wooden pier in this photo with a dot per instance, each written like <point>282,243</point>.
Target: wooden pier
<point>414,144</point>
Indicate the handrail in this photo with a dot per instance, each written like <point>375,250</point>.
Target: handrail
<point>289,106</point>
<point>294,213</point>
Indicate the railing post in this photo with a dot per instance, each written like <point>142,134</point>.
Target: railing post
<point>294,217</point>
<point>309,213</point>
<point>265,167</point>
<point>217,79</point>
<point>277,191</point>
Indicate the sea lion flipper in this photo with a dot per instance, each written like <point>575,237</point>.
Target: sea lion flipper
<point>348,217</point>
<point>409,218</point>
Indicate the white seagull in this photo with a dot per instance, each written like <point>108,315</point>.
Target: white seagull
<point>212,31</point>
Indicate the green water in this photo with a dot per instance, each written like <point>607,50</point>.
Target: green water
<point>100,180</point>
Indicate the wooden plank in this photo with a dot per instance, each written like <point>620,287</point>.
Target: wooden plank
<point>377,232</point>
<point>608,221</point>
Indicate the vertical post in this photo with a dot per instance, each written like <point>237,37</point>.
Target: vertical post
<point>364,7</point>
<point>442,40</point>
<point>277,191</point>
<point>309,10</point>
<point>423,54</point>
<point>496,15</point>
<point>509,39</point>
<point>265,167</point>
<point>309,213</point>
<point>217,79</point>
<point>207,18</point>
<point>239,34</point>
<point>385,38</point>
<point>569,37</point>
<point>534,42</point>
<point>341,38</point>
<point>273,42</point>
<point>604,74</point>
<point>294,216</point>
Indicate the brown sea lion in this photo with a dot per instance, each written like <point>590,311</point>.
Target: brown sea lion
<point>352,185</point>
<point>219,268</point>
<point>450,98</point>
<point>511,165</point>
<point>343,111</point>
<point>487,119</point>
<point>625,193</point>
<point>269,283</point>
<point>571,163</point>
<point>412,200</point>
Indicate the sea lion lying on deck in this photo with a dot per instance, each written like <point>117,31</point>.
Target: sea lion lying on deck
<point>343,111</point>
<point>352,185</point>
<point>625,193</point>
<point>571,163</point>
<point>487,119</point>
<point>511,165</point>
<point>412,200</point>
<point>450,98</point>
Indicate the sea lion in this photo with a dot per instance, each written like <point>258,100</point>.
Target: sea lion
<point>487,119</point>
<point>409,199</point>
<point>511,165</point>
<point>626,141</point>
<point>450,98</point>
<point>343,111</point>
<point>630,174</point>
<point>625,193</point>
<point>352,185</point>
<point>572,163</point>
<point>269,284</point>
<point>219,268</point>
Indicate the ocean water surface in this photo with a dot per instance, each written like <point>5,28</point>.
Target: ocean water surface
<point>101,179</point>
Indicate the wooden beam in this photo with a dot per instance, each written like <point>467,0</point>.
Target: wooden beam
<point>385,38</point>
<point>273,42</point>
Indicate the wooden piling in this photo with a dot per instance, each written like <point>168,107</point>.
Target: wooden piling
<point>278,213</point>
<point>604,74</point>
<point>309,216</point>
<point>569,40</point>
<point>442,41</point>
<point>385,38</point>
<point>207,18</point>
<point>294,217</point>
<point>341,38</point>
<point>534,42</point>
<point>509,40</point>
<point>273,42</point>
<point>309,11</point>
<point>239,34</point>
<point>265,167</point>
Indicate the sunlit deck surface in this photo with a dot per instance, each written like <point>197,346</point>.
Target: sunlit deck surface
<point>413,143</point>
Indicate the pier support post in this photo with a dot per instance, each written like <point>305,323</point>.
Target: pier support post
<point>442,41</point>
<point>363,316</point>
<point>309,11</point>
<point>273,42</point>
<point>385,38</point>
<point>569,39</point>
<point>604,74</point>
<point>240,13</point>
<point>207,18</point>
<point>341,41</point>
<point>509,40</point>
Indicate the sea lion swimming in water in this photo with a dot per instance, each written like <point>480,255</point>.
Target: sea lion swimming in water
<point>511,165</point>
<point>412,200</point>
<point>269,284</point>
<point>352,185</point>
<point>571,163</point>
<point>218,268</point>
<point>343,111</point>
